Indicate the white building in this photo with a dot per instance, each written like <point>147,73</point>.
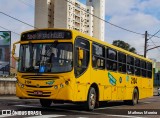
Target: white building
<point>72,14</point>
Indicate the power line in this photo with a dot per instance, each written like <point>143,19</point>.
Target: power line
<point>106,20</point>
<point>17,19</point>
<point>154,44</point>
<point>112,23</point>
<point>9,30</point>
<point>43,11</point>
<point>154,34</point>
<point>31,5</point>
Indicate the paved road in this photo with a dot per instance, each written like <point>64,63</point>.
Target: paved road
<point>32,109</point>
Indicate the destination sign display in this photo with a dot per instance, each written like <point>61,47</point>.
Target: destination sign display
<point>46,34</point>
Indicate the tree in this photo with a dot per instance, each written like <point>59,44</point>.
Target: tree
<point>124,45</point>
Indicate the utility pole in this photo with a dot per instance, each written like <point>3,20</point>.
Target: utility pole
<point>145,44</point>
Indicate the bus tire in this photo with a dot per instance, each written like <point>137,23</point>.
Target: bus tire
<point>135,97</point>
<point>45,102</point>
<point>91,99</point>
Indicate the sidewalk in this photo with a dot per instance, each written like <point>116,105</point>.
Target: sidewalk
<point>3,97</point>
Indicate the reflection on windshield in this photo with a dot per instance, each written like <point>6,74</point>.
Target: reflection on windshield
<point>52,57</point>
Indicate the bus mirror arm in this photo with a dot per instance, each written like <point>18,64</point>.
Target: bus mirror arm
<point>13,51</point>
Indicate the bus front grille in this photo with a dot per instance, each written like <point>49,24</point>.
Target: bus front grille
<point>39,77</point>
<point>39,95</point>
<point>33,86</point>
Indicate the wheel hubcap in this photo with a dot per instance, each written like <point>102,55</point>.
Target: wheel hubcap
<point>92,99</point>
<point>135,98</point>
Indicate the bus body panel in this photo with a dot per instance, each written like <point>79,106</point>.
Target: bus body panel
<point>112,85</point>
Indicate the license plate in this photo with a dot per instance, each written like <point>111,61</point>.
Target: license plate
<point>38,92</point>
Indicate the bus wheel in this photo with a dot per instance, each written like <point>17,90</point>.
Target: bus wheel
<point>91,100</point>
<point>134,100</point>
<point>45,102</point>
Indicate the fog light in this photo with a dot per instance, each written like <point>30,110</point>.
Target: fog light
<point>22,85</point>
<point>61,85</point>
<point>66,82</point>
<point>56,87</point>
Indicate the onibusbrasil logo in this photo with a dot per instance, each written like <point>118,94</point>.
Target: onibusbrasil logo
<point>13,113</point>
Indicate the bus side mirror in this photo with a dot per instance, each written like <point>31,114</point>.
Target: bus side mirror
<point>80,54</point>
<point>13,51</point>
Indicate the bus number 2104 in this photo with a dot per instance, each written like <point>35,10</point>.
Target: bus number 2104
<point>133,80</point>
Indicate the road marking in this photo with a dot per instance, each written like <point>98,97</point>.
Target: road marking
<point>28,106</point>
<point>47,116</point>
<point>94,113</point>
<point>60,109</point>
<point>82,117</point>
<point>114,107</point>
<point>2,116</point>
<point>43,116</point>
<point>125,116</point>
<point>146,102</point>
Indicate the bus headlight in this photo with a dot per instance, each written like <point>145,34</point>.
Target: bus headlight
<point>61,85</point>
<point>20,85</point>
<point>55,86</point>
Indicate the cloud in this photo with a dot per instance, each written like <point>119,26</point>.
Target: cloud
<point>114,7</point>
<point>135,15</point>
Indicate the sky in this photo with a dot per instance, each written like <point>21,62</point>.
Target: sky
<point>135,15</point>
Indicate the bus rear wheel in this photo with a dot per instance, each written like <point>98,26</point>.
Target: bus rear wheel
<point>45,102</point>
<point>91,99</point>
<point>134,100</point>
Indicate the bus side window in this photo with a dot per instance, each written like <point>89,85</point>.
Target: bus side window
<point>130,64</point>
<point>98,56</point>
<point>121,62</point>
<point>111,62</point>
<point>98,63</point>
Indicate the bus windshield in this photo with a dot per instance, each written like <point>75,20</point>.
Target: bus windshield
<point>46,57</point>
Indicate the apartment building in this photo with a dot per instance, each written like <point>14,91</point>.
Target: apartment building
<point>71,14</point>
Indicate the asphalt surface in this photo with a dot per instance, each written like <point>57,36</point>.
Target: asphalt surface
<point>12,107</point>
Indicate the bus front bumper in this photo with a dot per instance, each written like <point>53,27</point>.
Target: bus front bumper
<point>61,92</point>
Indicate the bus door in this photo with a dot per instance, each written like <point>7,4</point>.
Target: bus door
<point>81,68</point>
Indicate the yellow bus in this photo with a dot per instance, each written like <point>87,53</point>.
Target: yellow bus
<point>61,65</point>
